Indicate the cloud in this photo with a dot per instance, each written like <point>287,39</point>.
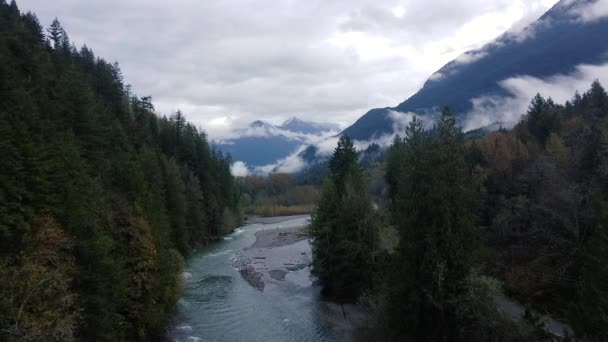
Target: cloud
<point>400,120</point>
<point>593,11</point>
<point>528,32</point>
<point>327,146</point>
<point>436,76</point>
<point>508,110</point>
<point>290,164</point>
<point>239,169</point>
<point>470,57</point>
<point>227,63</point>
<point>268,130</point>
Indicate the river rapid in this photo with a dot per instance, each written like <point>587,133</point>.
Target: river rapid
<point>240,289</point>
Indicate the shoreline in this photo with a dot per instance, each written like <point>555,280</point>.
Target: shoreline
<point>278,237</point>
<point>275,253</point>
<point>272,219</point>
<point>283,257</point>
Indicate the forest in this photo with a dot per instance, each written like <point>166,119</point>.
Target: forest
<point>517,213</point>
<point>101,198</point>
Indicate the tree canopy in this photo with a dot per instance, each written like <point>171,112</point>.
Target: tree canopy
<point>101,198</point>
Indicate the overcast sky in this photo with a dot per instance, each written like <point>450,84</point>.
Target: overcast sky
<point>229,62</point>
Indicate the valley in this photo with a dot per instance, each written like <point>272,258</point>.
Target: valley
<point>230,203</point>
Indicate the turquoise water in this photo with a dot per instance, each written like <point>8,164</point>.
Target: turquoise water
<point>219,305</point>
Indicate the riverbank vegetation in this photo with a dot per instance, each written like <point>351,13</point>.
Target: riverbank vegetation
<point>100,197</point>
<point>516,213</point>
<point>277,194</point>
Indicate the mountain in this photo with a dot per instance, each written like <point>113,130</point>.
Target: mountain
<point>298,126</point>
<point>262,143</point>
<point>568,35</point>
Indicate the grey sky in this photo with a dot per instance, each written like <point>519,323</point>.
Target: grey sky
<point>226,63</point>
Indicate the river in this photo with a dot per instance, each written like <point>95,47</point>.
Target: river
<point>245,288</point>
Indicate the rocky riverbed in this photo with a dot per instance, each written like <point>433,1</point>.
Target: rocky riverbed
<point>275,253</point>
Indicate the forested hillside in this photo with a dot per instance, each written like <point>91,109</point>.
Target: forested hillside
<point>100,198</point>
<point>541,193</point>
<point>517,214</point>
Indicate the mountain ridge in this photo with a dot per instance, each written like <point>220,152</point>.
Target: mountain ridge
<point>479,72</point>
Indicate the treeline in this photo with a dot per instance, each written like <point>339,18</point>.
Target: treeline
<point>100,198</point>
<point>517,214</point>
<point>278,194</point>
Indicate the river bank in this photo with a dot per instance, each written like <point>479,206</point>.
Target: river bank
<point>273,219</point>
<point>275,253</point>
<point>256,285</point>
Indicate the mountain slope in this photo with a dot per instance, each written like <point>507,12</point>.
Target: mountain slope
<point>532,51</point>
<point>259,151</point>
<point>262,143</point>
<point>299,126</point>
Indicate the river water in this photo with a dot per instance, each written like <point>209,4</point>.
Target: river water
<point>218,304</point>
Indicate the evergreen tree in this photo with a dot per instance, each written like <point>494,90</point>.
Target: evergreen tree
<point>597,99</point>
<point>344,157</point>
<point>431,206</point>
<point>542,118</point>
<point>56,33</point>
<point>344,228</point>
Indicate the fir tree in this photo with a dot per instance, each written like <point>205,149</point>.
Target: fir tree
<point>431,206</point>
<point>56,33</point>
<point>344,228</point>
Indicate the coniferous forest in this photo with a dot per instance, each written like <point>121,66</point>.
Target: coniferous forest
<point>515,214</point>
<point>437,238</point>
<point>100,198</point>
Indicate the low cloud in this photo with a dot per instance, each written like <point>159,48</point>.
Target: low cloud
<point>528,32</point>
<point>591,11</point>
<point>291,164</point>
<point>436,76</point>
<point>400,120</point>
<point>325,147</point>
<point>508,110</point>
<point>270,131</point>
<point>239,169</point>
<point>470,57</point>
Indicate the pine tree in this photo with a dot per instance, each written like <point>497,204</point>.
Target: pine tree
<point>432,208</point>
<point>542,118</point>
<point>56,33</point>
<point>342,160</point>
<point>597,99</point>
<point>323,225</point>
<point>344,228</point>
